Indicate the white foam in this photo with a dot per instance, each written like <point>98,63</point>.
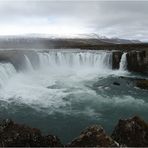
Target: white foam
<point>123,62</point>
<point>59,75</point>
<point>28,63</point>
<point>7,70</point>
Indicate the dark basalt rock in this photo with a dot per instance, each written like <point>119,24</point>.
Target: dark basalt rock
<point>12,134</point>
<point>116,57</point>
<point>93,136</point>
<point>143,84</point>
<point>131,132</point>
<point>116,83</point>
<point>137,61</point>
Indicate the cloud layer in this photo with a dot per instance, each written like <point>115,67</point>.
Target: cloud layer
<point>107,18</point>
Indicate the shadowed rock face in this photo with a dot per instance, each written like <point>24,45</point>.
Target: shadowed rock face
<point>12,134</point>
<point>116,57</point>
<point>143,84</point>
<point>93,136</point>
<point>131,132</point>
<point>136,61</point>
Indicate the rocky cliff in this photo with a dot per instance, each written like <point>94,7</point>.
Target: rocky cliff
<point>137,61</point>
<point>132,132</point>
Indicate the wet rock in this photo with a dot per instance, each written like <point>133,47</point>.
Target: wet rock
<point>137,61</point>
<point>143,84</point>
<point>116,57</point>
<point>12,134</point>
<point>116,83</point>
<point>93,136</point>
<point>131,132</point>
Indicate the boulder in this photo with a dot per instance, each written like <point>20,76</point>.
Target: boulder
<point>12,134</point>
<point>131,132</point>
<point>143,84</point>
<point>93,136</point>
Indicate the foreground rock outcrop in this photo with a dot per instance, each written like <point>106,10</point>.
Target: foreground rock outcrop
<point>93,136</point>
<point>16,135</point>
<point>131,132</point>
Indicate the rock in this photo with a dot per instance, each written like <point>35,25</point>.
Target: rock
<point>131,132</point>
<point>93,136</point>
<point>116,57</point>
<point>137,61</point>
<point>12,134</point>
<point>143,84</point>
<point>116,83</point>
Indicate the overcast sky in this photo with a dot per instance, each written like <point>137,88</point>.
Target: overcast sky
<point>121,19</point>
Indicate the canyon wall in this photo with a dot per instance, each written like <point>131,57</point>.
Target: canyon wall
<point>137,60</point>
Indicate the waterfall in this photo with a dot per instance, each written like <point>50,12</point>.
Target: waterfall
<point>28,63</point>
<point>7,70</point>
<point>102,60</point>
<point>74,61</point>
<point>123,62</point>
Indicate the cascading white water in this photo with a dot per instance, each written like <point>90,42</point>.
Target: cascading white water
<point>123,62</point>
<point>7,70</point>
<point>58,74</point>
<point>76,59</point>
<point>85,62</point>
<point>28,63</point>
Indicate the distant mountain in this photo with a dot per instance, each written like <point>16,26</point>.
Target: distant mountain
<point>108,40</point>
<point>52,41</point>
<point>92,37</point>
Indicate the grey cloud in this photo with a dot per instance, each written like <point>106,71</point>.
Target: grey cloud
<point>125,19</point>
